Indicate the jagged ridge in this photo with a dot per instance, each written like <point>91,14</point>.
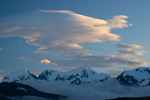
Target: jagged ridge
<point>20,75</point>
<point>137,77</point>
<point>77,76</point>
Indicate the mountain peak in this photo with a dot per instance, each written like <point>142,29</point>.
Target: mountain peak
<point>138,76</point>
<point>19,75</point>
<point>83,74</point>
<point>143,69</point>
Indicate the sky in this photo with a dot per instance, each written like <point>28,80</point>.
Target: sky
<point>109,35</point>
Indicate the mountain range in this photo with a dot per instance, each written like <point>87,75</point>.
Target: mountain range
<point>76,76</point>
<point>136,77</point>
<point>84,76</point>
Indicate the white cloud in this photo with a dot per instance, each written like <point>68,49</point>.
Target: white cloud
<point>36,73</point>
<point>119,21</point>
<point>62,31</point>
<point>45,61</point>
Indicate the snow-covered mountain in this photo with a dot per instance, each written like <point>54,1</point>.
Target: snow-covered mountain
<point>19,76</point>
<point>79,75</point>
<point>137,77</point>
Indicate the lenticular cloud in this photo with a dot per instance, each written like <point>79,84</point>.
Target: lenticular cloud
<point>61,31</point>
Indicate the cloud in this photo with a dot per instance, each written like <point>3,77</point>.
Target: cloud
<point>95,61</point>
<point>119,22</point>
<point>45,61</point>
<point>100,61</point>
<point>39,60</point>
<point>62,31</point>
<point>29,59</point>
<point>123,45</point>
<point>13,29</point>
<point>1,49</point>
<point>130,49</point>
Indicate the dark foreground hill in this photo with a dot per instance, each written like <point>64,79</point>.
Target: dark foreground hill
<point>131,98</point>
<point>19,91</point>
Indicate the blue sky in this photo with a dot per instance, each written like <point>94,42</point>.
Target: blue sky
<point>110,35</point>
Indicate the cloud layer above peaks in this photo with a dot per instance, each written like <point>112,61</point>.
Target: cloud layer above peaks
<point>61,31</point>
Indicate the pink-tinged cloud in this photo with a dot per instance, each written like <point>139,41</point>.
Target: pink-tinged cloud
<point>13,29</point>
<point>96,61</point>
<point>100,61</point>
<point>39,60</point>
<point>62,31</point>
<point>130,49</point>
<point>45,61</point>
<point>123,45</point>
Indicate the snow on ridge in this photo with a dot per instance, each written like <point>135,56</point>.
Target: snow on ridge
<point>19,75</point>
<point>77,75</point>
<point>140,76</point>
<point>139,73</point>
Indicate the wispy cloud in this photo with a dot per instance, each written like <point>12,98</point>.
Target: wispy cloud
<point>62,31</point>
<point>95,61</point>
<point>39,60</point>
<point>29,59</point>
<point>101,61</point>
<point>13,29</point>
<point>119,22</point>
<point>123,45</point>
<point>130,49</point>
